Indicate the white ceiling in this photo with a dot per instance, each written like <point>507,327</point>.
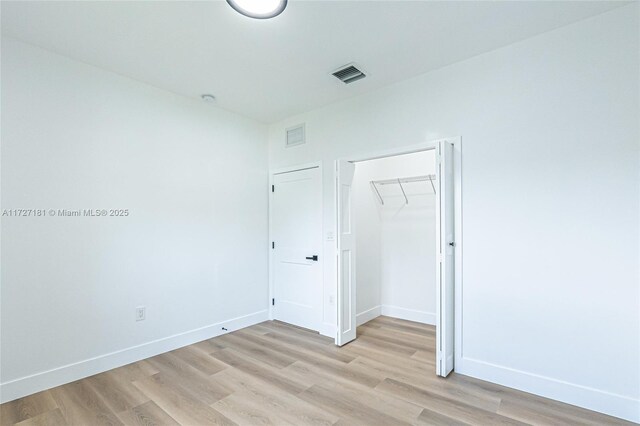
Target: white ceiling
<point>271,69</point>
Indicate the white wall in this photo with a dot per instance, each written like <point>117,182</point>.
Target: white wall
<point>368,229</point>
<point>551,188</point>
<point>396,241</point>
<point>194,179</point>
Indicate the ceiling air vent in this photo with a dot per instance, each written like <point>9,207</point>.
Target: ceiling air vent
<point>295,136</point>
<point>348,74</point>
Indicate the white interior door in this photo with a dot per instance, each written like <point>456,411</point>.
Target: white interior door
<point>445,248</point>
<point>297,242</point>
<point>346,254</point>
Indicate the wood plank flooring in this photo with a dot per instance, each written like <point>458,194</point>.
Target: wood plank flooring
<point>277,374</point>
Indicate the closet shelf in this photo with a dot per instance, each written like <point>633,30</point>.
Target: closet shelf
<point>400,182</point>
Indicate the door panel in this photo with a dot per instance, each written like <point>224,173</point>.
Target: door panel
<point>445,241</point>
<point>346,255</point>
<point>297,234</point>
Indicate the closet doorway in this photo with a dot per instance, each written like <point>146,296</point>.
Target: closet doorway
<point>398,249</point>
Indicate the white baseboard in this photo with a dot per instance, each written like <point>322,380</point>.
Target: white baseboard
<point>368,315</point>
<point>593,399</point>
<point>396,312</point>
<point>68,373</point>
<point>409,314</point>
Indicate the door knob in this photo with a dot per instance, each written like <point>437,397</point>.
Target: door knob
<point>314,258</point>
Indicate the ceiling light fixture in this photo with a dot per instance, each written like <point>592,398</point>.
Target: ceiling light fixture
<point>258,9</point>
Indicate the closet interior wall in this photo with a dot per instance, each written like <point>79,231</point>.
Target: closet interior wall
<point>395,249</point>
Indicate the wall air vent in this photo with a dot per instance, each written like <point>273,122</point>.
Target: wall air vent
<point>348,74</point>
<point>295,136</point>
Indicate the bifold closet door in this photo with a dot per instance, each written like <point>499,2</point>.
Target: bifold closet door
<point>445,268</point>
<point>346,254</point>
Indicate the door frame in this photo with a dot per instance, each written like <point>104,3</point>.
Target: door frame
<point>272,173</point>
<point>457,172</point>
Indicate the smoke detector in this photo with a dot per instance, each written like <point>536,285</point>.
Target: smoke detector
<point>348,74</point>
<point>208,98</point>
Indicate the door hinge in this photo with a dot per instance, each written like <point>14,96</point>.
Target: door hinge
<point>273,188</point>
<point>273,302</point>
<point>273,244</point>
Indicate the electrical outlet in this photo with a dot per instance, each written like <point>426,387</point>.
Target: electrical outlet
<point>140,313</point>
<point>332,299</point>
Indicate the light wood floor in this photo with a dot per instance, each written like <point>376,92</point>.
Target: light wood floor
<point>273,373</point>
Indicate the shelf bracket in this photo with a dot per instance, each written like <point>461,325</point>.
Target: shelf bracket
<point>432,185</point>
<point>375,188</point>
<point>406,200</point>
